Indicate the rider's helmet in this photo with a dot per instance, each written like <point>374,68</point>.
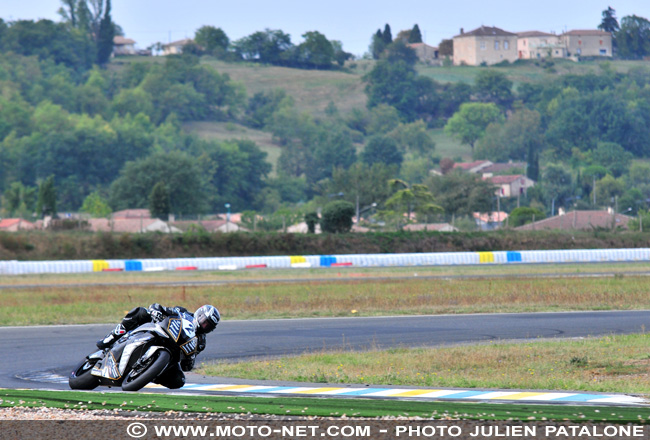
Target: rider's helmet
<point>206,319</point>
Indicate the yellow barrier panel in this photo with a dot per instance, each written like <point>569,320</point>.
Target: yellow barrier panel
<point>99,265</point>
<point>295,260</point>
<point>486,257</point>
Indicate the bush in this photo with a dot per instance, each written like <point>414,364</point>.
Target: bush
<point>337,217</point>
<point>522,215</point>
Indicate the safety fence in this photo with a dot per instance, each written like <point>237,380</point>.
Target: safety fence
<point>307,261</point>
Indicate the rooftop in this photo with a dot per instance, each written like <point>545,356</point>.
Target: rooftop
<point>487,31</point>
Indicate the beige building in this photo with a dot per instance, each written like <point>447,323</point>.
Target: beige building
<point>123,46</point>
<point>587,43</point>
<point>426,54</point>
<point>535,44</point>
<point>176,47</point>
<point>485,45</point>
<point>511,185</point>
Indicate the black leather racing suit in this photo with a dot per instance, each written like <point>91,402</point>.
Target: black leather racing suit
<point>173,376</point>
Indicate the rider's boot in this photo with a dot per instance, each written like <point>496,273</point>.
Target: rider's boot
<point>113,336</point>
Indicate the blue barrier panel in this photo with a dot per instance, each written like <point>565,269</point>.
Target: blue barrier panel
<point>514,257</point>
<point>327,260</point>
<point>132,265</point>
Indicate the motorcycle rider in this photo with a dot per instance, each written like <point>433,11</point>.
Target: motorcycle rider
<point>205,319</point>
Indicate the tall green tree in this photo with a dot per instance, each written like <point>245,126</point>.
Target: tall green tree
<point>95,205</point>
<point>609,22</point>
<point>415,36</point>
<point>633,39</point>
<point>316,52</point>
<point>494,86</point>
<point>105,36</point>
<point>46,204</point>
<point>159,201</point>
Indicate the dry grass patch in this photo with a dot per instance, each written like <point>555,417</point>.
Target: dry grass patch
<point>359,297</point>
<point>606,364</point>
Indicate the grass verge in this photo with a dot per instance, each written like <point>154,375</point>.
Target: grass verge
<point>316,298</point>
<point>617,364</point>
<point>305,407</point>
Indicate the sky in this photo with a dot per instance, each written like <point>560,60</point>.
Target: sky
<point>350,21</point>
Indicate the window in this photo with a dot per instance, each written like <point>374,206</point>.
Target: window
<point>482,45</point>
<point>506,45</point>
<point>603,51</point>
<point>578,51</point>
<point>601,42</point>
<point>579,42</point>
<point>496,45</point>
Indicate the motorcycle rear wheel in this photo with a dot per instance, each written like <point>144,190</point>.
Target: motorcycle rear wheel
<point>136,380</point>
<point>81,379</point>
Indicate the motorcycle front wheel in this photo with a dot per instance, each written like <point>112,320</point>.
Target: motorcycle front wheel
<point>81,379</point>
<point>140,376</point>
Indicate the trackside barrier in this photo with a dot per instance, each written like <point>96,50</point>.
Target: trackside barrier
<point>100,265</point>
<point>14,267</point>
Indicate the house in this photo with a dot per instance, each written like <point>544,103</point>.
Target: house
<point>301,228</point>
<point>484,45</point>
<point>511,185</point>
<point>130,225</point>
<point>473,167</point>
<point>131,213</point>
<point>536,45</point>
<point>123,46</point>
<point>176,47</point>
<point>426,54</point>
<point>15,224</point>
<point>487,221</point>
<point>587,43</point>
<point>580,220</point>
<point>440,227</point>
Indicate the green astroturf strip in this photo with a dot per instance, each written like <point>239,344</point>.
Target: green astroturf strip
<point>318,407</point>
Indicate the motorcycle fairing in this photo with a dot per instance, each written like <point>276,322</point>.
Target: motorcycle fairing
<point>107,368</point>
<point>174,327</point>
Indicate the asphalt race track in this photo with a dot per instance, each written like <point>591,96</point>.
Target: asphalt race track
<point>40,357</point>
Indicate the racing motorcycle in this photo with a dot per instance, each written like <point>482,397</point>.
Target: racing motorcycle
<point>138,357</point>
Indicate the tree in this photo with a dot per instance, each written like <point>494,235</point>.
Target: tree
<point>19,200</point>
<point>105,36</point>
<point>494,86</point>
<point>519,137</point>
<point>469,123</point>
<point>613,157</point>
<point>159,203</point>
<point>312,219</point>
<point>633,39</point>
<point>387,36</point>
<point>377,45</point>
<point>609,22</point>
<point>46,204</point>
<point>95,205</point>
<point>382,149</point>
<point>268,46</point>
<point>213,40</point>
<point>362,183</point>
<point>414,137</point>
<point>181,173</point>
<point>524,214</point>
<point>415,36</point>
<point>316,52</point>
<point>608,189</point>
<point>557,185</point>
<point>460,193</point>
<point>446,48</point>
<point>337,217</point>
<point>416,198</point>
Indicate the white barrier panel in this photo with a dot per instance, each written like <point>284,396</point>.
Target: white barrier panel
<point>14,267</point>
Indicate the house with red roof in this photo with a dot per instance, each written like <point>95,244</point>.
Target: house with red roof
<point>580,220</point>
<point>15,224</point>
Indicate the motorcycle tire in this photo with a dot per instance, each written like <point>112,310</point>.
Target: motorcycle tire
<point>159,362</point>
<point>81,379</point>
